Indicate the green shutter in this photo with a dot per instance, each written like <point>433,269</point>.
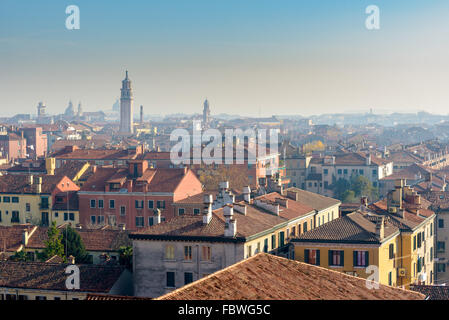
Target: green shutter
<point>330,258</point>
<point>306,255</point>
<point>318,257</point>
<point>366,258</point>
<point>354,261</point>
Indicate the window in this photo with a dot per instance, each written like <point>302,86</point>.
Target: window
<point>374,172</point>
<point>71,216</point>
<point>28,207</point>
<point>181,211</point>
<point>100,219</point>
<point>345,171</point>
<point>339,171</point>
<point>265,245</point>
<point>390,279</point>
<point>170,252</point>
<point>281,238</point>
<point>205,253</point>
<point>93,219</point>
<point>336,258</point>
<point>361,171</point>
<point>441,246</point>
<point>66,216</point>
<point>0,216</point>
<point>188,277</point>
<point>138,204</point>
<point>431,229</point>
<point>122,210</point>
<point>15,199</point>
<point>441,267</point>
<point>111,204</point>
<point>414,242</point>
<point>170,279</point>
<point>150,204</point>
<point>92,203</point>
<point>312,257</point>
<point>161,204</point>
<point>139,221</point>
<point>391,251</point>
<point>273,241</point>
<point>15,217</point>
<point>419,239</point>
<point>304,229</point>
<point>440,223</point>
<point>361,258</point>
<point>100,204</point>
<point>326,171</point>
<point>6,199</point>
<point>196,211</point>
<point>41,298</point>
<point>188,253</point>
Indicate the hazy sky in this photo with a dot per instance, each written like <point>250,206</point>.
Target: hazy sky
<point>246,56</point>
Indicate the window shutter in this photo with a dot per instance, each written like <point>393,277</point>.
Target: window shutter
<point>318,257</point>
<point>355,258</point>
<point>330,258</point>
<point>366,258</point>
<point>342,258</point>
<point>306,255</point>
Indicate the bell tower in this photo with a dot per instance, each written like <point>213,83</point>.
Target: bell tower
<point>126,106</point>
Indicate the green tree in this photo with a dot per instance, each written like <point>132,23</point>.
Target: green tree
<point>71,240</point>
<point>340,187</point>
<point>348,196</point>
<point>126,256</point>
<point>53,246</point>
<point>20,256</point>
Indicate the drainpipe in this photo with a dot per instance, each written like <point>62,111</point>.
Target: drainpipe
<point>198,261</point>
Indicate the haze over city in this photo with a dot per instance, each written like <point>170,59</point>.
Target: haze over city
<point>249,58</point>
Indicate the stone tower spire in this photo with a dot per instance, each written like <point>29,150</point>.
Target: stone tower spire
<point>126,106</point>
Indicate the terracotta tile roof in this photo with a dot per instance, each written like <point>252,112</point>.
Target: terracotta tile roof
<point>410,220</point>
<point>20,184</point>
<point>108,297</point>
<point>29,166</point>
<point>52,276</point>
<point>439,199</point>
<point>294,209</point>
<point>403,156</point>
<point>268,277</point>
<point>97,154</point>
<point>255,221</point>
<point>352,228</point>
<point>432,292</point>
<point>71,169</point>
<point>11,236</point>
<point>93,239</point>
<point>160,179</point>
<point>314,200</point>
<point>155,155</point>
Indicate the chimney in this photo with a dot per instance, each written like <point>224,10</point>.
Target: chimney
<point>157,213</point>
<point>230,222</point>
<point>364,201</point>
<point>283,202</point>
<point>247,194</point>
<point>71,259</point>
<point>380,228</point>
<point>38,185</point>
<point>25,237</point>
<point>292,195</point>
<point>207,211</point>
<point>240,208</point>
<point>368,160</point>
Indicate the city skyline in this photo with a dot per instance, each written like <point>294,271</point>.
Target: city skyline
<point>294,58</point>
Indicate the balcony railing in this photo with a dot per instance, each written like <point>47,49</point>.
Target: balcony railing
<point>44,206</point>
